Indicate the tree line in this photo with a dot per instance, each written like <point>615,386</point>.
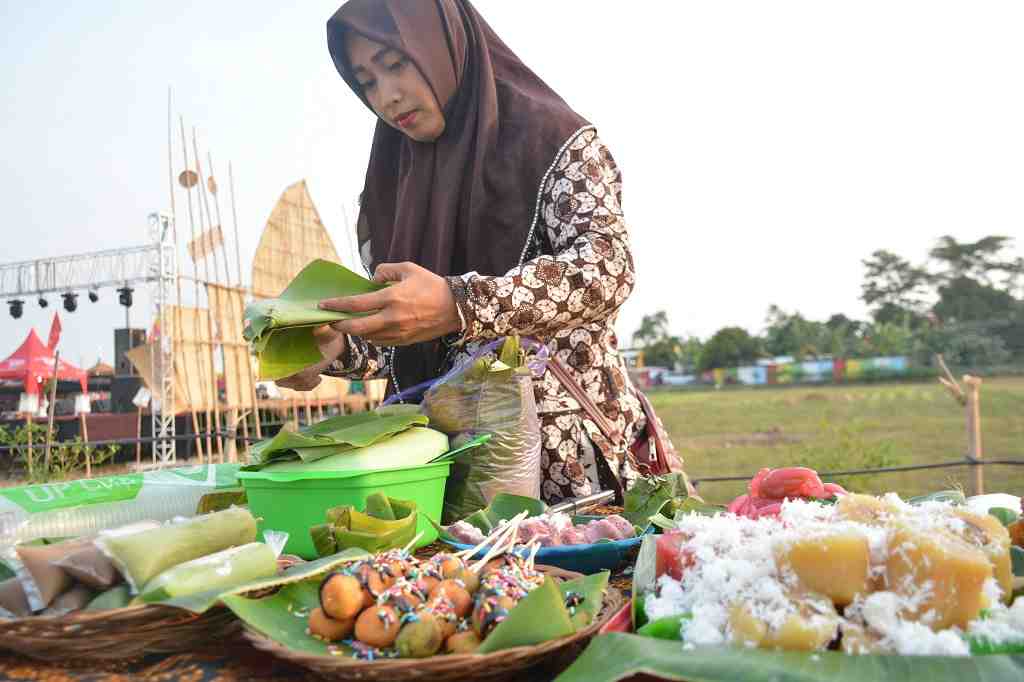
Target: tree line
<point>966,302</point>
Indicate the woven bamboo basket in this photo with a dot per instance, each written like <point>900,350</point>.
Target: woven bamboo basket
<point>509,664</point>
<point>117,633</point>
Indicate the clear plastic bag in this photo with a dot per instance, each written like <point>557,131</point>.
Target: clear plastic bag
<point>490,395</point>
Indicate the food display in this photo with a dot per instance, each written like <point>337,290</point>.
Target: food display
<point>587,544</point>
<point>554,530</point>
<point>864,575</point>
<point>393,605</point>
<point>140,563</point>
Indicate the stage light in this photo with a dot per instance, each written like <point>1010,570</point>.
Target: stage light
<point>17,307</point>
<point>70,301</point>
<point>43,302</point>
<point>124,296</point>
<point>94,296</point>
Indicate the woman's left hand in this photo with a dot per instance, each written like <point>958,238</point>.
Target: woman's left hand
<point>418,306</point>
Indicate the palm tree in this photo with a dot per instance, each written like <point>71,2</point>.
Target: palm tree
<point>976,260</point>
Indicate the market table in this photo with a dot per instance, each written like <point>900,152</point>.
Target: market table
<point>227,661</point>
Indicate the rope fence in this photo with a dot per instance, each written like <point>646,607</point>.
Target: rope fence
<point>969,462</point>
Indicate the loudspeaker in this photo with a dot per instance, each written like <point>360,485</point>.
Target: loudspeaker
<point>124,341</point>
<point>122,390</point>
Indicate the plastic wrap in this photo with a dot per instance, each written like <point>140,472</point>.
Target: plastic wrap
<point>75,508</point>
<point>492,396</point>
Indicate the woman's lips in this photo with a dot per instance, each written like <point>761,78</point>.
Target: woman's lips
<point>406,120</point>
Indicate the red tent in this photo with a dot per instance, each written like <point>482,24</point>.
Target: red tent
<point>32,364</point>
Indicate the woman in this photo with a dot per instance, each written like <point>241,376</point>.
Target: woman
<point>493,209</point>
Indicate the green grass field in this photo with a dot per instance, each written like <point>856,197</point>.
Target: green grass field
<point>835,428</point>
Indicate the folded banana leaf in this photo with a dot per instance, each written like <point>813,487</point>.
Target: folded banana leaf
<point>618,656</point>
<point>652,495</point>
<point>334,435</point>
<point>221,500</point>
<point>312,571</point>
<point>281,329</point>
<point>348,527</point>
<point>220,570</point>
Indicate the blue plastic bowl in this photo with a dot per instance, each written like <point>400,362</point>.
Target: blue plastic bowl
<point>586,559</point>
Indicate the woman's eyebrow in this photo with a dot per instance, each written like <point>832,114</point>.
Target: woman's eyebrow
<point>381,54</point>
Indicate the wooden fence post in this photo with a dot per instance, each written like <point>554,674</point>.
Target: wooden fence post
<point>974,449</point>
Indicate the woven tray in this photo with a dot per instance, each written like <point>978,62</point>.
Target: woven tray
<point>117,633</point>
<point>507,664</point>
<point>120,633</point>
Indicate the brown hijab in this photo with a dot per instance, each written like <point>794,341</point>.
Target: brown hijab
<point>466,202</point>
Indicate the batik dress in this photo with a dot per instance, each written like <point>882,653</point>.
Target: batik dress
<point>575,272</point>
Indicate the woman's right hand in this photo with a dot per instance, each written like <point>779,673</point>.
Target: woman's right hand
<point>332,345</point>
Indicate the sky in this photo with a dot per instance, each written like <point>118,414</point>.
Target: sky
<point>766,148</point>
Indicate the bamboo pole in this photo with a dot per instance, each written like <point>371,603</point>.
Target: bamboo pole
<point>49,419</point>
<point>215,341</point>
<point>84,428</point>
<point>176,337</point>
<point>195,280</point>
<point>199,441</point>
<point>138,435</point>
<point>31,452</point>
<point>974,449</point>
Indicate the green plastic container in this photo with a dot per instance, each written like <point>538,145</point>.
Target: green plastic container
<point>293,502</point>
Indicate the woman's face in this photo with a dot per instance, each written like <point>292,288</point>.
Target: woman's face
<point>395,89</point>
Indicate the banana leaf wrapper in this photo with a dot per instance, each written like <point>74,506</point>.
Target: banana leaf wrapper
<point>323,539</point>
<point>280,330</point>
<point>221,500</point>
<point>219,570</point>
<point>353,528</point>
<point>143,555</point>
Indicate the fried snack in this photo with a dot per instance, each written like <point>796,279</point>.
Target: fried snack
<point>328,629</point>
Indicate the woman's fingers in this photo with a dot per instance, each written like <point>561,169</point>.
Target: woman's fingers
<point>366,327</point>
<point>363,303</point>
<point>393,272</point>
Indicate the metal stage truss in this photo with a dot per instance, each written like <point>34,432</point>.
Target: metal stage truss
<point>155,264</point>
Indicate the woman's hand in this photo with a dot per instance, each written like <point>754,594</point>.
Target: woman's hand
<point>332,345</point>
<point>418,306</point>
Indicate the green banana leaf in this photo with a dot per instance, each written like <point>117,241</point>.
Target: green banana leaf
<point>591,588</point>
<point>378,505</point>
<point>617,656</point>
<point>114,598</point>
<point>336,434</point>
<point>652,495</point>
<point>356,529</point>
<point>283,616</point>
<point>281,329</point>
<point>323,539</point>
<point>386,524</point>
<point>312,570</point>
<point>502,508</point>
<point>221,500</point>
<point>540,616</point>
